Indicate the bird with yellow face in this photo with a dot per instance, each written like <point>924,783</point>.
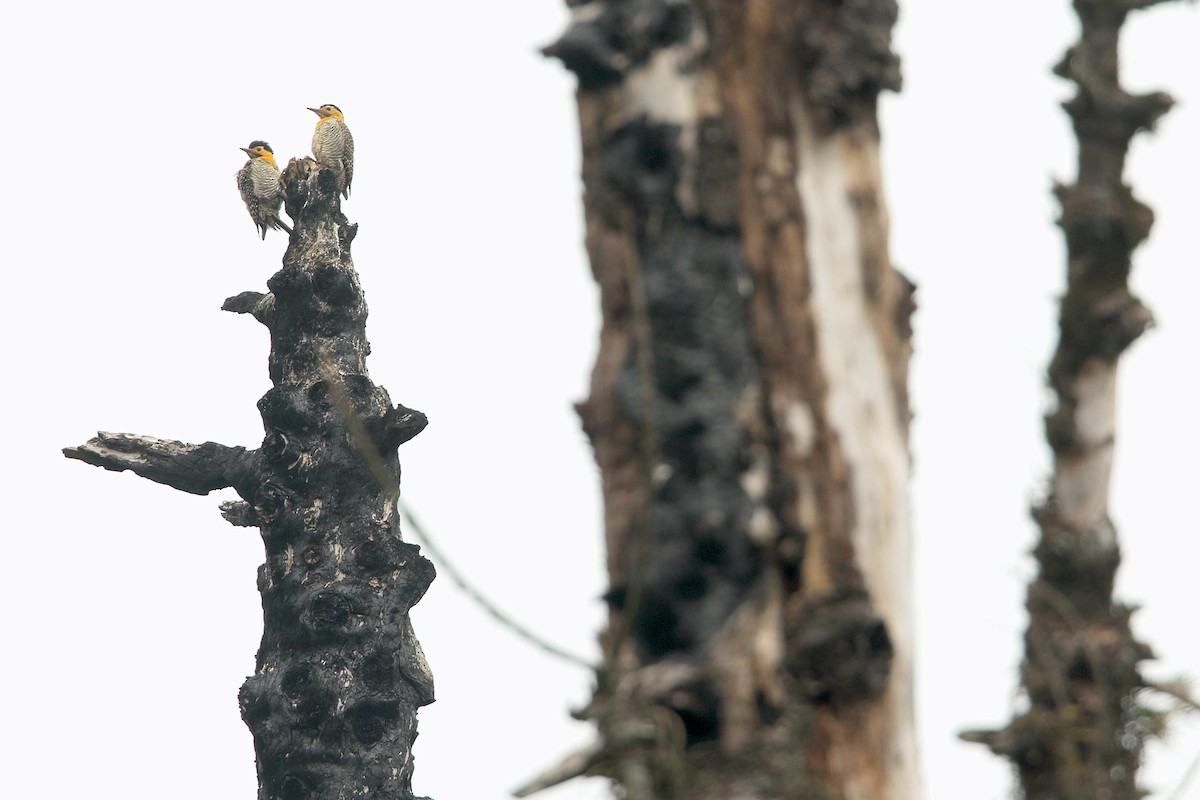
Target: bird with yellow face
<point>258,182</point>
<point>333,146</point>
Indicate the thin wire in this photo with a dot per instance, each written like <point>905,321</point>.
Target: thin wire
<point>374,462</point>
<point>1187,778</point>
<point>483,602</point>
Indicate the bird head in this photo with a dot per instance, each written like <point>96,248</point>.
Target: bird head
<point>260,149</point>
<point>328,111</point>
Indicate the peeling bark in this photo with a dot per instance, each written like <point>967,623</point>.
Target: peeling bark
<point>748,407</point>
<point>332,704</point>
<point>1083,733</point>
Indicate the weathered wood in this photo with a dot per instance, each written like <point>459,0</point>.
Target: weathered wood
<point>1083,732</point>
<point>748,407</point>
<point>332,704</point>
<point>194,468</point>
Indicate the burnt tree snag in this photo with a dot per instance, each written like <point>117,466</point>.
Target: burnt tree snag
<point>333,701</point>
<point>748,407</point>
<point>1083,732</point>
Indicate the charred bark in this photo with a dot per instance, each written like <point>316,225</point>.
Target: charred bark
<point>332,704</point>
<point>1083,732</point>
<point>748,407</point>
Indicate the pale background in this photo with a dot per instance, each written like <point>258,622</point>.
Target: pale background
<point>131,609</point>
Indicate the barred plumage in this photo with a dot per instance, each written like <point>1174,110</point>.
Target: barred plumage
<point>258,182</point>
<point>333,146</point>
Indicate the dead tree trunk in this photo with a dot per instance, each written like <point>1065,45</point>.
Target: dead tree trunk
<point>333,702</point>
<point>1083,732</point>
<point>748,407</point>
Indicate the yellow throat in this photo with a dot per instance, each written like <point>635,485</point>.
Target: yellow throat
<point>332,115</point>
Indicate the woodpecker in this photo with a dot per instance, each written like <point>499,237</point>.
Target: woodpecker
<point>333,146</point>
<point>258,181</point>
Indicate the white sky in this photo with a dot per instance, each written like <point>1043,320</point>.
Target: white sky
<point>131,608</point>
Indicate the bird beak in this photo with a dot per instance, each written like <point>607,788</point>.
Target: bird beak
<point>246,150</point>
<point>316,111</point>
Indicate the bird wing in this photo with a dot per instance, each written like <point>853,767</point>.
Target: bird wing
<point>348,159</point>
<point>245,182</point>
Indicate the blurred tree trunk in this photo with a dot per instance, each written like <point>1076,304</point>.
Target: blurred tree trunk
<point>748,407</point>
<point>340,675</point>
<point>1083,732</point>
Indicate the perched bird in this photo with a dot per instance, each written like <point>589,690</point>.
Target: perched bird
<point>258,181</point>
<point>333,146</point>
